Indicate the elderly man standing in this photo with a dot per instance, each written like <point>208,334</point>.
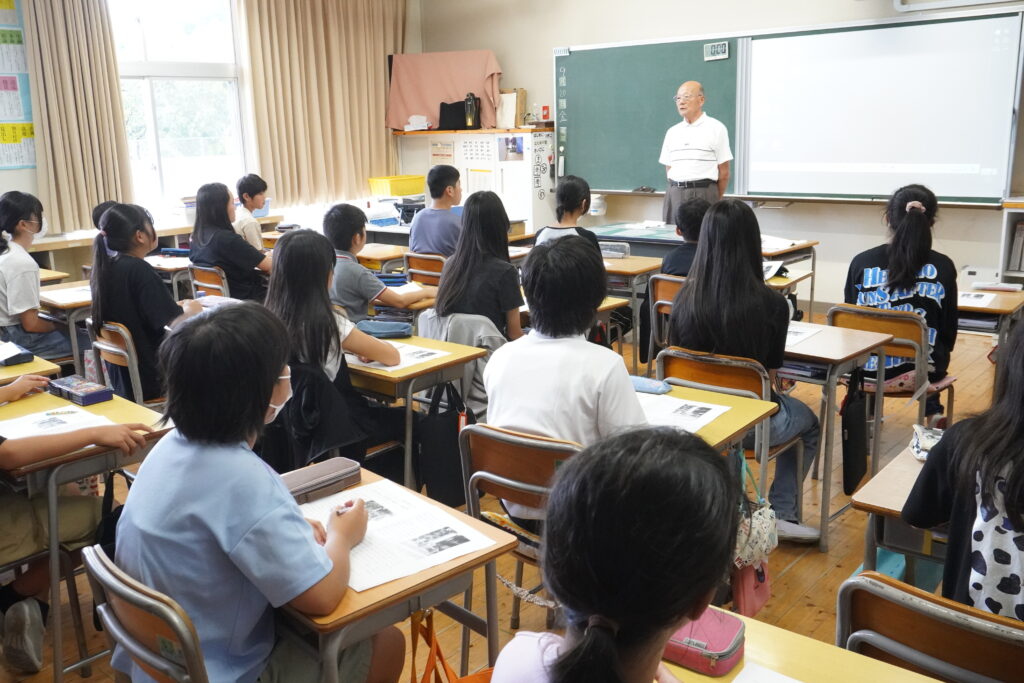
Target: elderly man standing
<point>695,153</point>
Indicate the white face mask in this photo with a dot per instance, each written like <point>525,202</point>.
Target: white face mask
<point>275,408</point>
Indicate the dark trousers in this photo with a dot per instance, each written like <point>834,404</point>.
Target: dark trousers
<point>674,196</point>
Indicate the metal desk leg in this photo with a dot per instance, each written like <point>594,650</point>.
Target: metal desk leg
<point>491,590</point>
<point>876,445</point>
<point>634,307</point>
<point>410,478</point>
<point>72,319</point>
<point>814,276</point>
<point>871,533</point>
<point>56,628</point>
<point>826,475</point>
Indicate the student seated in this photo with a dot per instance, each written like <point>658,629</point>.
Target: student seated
<point>215,243</point>
<point>23,606</point>
<point>572,202</point>
<point>973,480</point>
<point>553,382</point>
<point>211,526</point>
<point>21,222</point>
<point>908,275</point>
<point>356,287</point>
<point>321,334</point>
<point>725,307</point>
<point>689,216</point>
<point>629,572</point>
<point>128,291</point>
<point>435,229</point>
<point>478,279</point>
<point>252,193</point>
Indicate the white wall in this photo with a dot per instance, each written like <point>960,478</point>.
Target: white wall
<point>522,34</point>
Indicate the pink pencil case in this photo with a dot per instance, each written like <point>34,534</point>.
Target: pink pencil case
<point>711,645</point>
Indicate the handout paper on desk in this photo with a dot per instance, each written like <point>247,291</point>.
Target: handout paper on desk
<point>55,421</point>
<point>770,243</point>
<point>409,354</point>
<point>404,535</point>
<point>407,287</point>
<point>215,300</point>
<point>514,252</point>
<point>9,349</point>
<point>753,672</point>
<point>975,299</point>
<point>168,261</point>
<point>662,409</point>
<point>798,332</point>
<point>770,268</point>
<point>70,295</point>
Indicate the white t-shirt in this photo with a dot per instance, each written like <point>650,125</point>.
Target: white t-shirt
<point>563,388</point>
<point>345,327</point>
<point>19,284</point>
<point>693,151</point>
<point>248,227</point>
<point>527,658</point>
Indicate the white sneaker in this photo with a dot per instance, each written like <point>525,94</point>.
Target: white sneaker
<point>23,636</point>
<point>797,533</point>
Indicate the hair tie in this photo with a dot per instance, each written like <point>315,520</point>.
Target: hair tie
<point>110,252</point>
<point>597,621</point>
<point>915,206</point>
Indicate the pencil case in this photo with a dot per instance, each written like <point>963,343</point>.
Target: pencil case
<point>711,645</point>
<point>175,251</point>
<point>384,329</point>
<point>81,391</point>
<point>322,479</point>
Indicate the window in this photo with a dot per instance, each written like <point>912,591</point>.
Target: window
<point>180,94</point>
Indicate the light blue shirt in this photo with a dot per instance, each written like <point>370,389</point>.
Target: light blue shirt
<point>215,528</point>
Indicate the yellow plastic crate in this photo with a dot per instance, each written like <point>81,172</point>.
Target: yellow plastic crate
<point>397,185</point>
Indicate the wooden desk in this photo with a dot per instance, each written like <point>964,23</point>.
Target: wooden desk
<point>176,268</point>
<point>49,475</point>
<point>796,252</point>
<point>360,615</point>
<point>382,257</point>
<point>36,366</point>
<point>801,658</point>
<point>1007,306</point>
<point>51,276</point>
<point>391,385</point>
<point>631,274</point>
<point>604,311</point>
<point>839,351</point>
<point>731,426</point>
<point>883,497</point>
<point>72,311</point>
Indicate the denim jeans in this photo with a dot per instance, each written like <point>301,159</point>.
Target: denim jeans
<point>793,419</point>
<point>49,345</point>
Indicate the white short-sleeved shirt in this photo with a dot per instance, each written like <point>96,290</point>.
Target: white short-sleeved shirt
<point>248,227</point>
<point>693,151</point>
<point>345,327</point>
<point>215,528</point>
<point>527,658</point>
<point>560,387</point>
<point>19,284</point>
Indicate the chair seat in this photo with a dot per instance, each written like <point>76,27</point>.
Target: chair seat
<point>529,542</point>
<point>751,454</point>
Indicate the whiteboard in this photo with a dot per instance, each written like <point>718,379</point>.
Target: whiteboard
<point>865,111</point>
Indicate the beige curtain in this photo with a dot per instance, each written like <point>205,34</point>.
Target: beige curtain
<point>81,149</point>
<point>319,83</point>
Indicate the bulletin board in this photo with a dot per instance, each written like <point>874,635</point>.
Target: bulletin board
<point>17,134</point>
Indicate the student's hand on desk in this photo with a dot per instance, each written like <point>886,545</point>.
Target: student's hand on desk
<point>349,520</point>
<point>319,533</point>
<point>663,675</point>
<point>191,307</point>
<point>123,437</point>
<point>25,384</point>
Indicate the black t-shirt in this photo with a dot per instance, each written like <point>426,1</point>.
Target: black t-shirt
<point>135,296</point>
<point>934,298</point>
<point>495,292</point>
<point>229,251</point>
<point>758,330</point>
<point>679,260</point>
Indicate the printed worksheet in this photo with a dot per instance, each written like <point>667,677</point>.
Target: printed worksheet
<point>770,268</point>
<point>69,295</point>
<point>410,355</point>
<point>404,534</point>
<point>58,420</point>
<point>662,409</point>
<point>798,332</point>
<point>976,299</point>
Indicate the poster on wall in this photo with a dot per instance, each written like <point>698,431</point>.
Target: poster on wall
<point>17,134</point>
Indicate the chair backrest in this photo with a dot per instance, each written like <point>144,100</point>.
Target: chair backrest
<point>209,280</point>
<point>423,268</point>
<point>886,619</point>
<point>151,627</point>
<point>661,292</point>
<point>715,372</point>
<point>114,345</point>
<point>910,334</point>
<point>511,465</point>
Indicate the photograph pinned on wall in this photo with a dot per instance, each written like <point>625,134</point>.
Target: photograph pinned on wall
<point>510,148</point>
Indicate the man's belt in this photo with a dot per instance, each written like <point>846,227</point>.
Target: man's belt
<point>703,182</point>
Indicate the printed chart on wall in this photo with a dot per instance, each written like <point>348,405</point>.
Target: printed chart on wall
<point>17,134</point>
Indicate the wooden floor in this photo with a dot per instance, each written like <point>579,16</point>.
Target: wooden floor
<point>804,581</point>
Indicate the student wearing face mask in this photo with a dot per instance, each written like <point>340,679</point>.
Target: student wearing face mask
<point>21,222</point>
<point>212,526</point>
<point>128,291</point>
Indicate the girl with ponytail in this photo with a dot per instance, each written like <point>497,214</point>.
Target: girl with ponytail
<point>127,290</point>
<point>907,274</point>
<point>627,573</point>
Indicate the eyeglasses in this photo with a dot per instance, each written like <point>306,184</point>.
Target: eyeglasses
<point>684,98</point>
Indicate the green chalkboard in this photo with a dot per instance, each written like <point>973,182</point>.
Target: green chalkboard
<point>618,105</point>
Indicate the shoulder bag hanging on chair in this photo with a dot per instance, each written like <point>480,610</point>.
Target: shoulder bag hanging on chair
<point>436,669</point>
<point>855,433</point>
<point>437,442</point>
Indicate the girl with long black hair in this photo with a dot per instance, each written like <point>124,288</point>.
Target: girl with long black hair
<point>215,243</point>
